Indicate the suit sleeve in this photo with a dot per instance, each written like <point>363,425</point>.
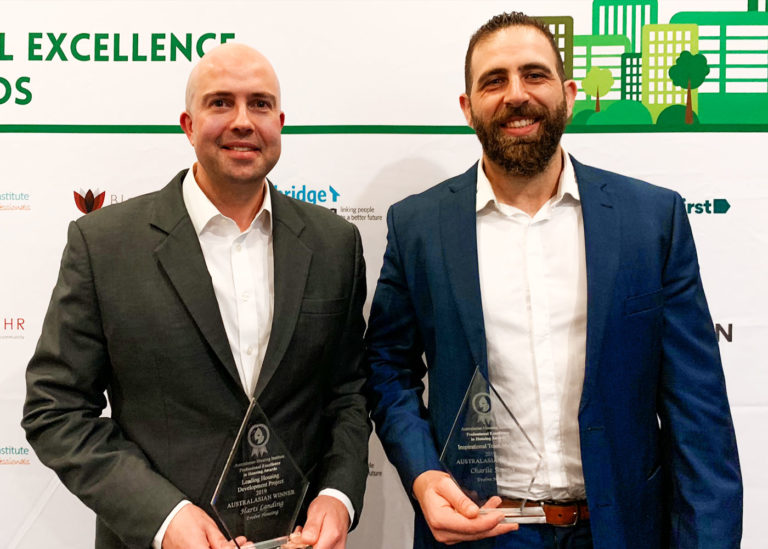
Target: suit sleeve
<point>395,348</point>
<point>706,499</point>
<point>344,466</point>
<point>66,380</point>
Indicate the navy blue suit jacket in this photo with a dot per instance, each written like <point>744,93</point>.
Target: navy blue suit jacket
<point>657,441</point>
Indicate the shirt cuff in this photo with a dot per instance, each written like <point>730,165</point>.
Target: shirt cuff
<point>342,497</point>
<point>157,543</point>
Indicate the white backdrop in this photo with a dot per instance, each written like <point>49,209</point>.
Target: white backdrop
<point>340,63</point>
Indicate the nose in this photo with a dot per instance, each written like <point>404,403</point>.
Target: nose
<point>516,92</point>
<point>242,120</point>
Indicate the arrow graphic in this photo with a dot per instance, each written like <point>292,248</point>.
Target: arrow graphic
<point>720,205</point>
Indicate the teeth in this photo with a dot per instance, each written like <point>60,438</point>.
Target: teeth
<point>242,149</point>
<point>520,123</point>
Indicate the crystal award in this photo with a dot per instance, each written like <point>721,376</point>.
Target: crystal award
<point>261,489</point>
<point>486,438</point>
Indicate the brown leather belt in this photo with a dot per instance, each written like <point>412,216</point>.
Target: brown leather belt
<point>566,513</point>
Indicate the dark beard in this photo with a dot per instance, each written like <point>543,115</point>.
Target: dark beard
<point>522,156</point>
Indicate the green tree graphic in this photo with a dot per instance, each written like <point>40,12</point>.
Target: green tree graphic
<point>597,82</point>
<point>689,71</point>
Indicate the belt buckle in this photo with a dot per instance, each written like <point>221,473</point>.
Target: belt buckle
<point>550,504</point>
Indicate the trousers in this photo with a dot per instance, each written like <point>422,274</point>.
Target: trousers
<point>544,536</point>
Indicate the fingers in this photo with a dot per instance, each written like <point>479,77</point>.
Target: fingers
<point>192,528</point>
<point>215,538</point>
<point>485,526</point>
<point>451,492</point>
<point>492,503</point>
<point>327,524</point>
<point>452,521</point>
<point>451,515</point>
<point>311,530</point>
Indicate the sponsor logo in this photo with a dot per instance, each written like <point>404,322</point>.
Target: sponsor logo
<point>12,201</point>
<point>12,327</point>
<point>321,196</point>
<point>14,455</point>
<point>89,201</point>
<point>713,206</point>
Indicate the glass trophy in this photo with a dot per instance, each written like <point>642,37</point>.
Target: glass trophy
<point>486,438</point>
<point>261,489</point>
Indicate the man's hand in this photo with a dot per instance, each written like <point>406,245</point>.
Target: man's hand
<point>192,528</point>
<point>451,515</point>
<point>327,524</point>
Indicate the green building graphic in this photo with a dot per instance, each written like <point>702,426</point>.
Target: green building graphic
<point>699,71</point>
<point>598,51</point>
<point>662,45</point>
<point>631,77</point>
<point>561,27</point>
<point>736,47</point>
<point>627,17</point>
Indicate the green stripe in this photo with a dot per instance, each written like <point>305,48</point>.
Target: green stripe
<point>369,129</point>
<point>287,130</point>
<point>89,128</point>
<point>647,128</point>
<point>377,129</point>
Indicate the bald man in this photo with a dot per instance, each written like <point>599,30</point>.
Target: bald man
<point>184,304</point>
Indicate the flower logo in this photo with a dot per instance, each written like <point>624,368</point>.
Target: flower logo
<point>87,202</point>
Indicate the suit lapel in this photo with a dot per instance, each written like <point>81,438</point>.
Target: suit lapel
<point>601,238</point>
<point>458,230</point>
<point>291,269</point>
<point>181,258</point>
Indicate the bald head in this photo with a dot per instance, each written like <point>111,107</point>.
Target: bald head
<point>236,59</point>
<point>233,120</point>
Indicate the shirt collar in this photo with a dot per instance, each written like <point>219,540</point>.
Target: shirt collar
<point>566,185</point>
<point>202,211</point>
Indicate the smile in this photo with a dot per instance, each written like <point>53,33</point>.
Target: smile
<point>241,147</point>
<point>519,123</point>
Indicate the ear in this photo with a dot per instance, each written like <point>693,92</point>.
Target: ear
<point>185,120</point>
<point>282,119</point>
<point>466,108</point>
<point>570,89</point>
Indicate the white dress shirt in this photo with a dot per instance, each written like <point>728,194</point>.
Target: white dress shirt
<point>533,282</point>
<point>242,273</point>
<point>241,265</point>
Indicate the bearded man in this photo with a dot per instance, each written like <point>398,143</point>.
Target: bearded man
<point>575,292</point>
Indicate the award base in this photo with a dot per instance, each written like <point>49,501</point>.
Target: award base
<point>525,515</point>
<point>283,542</point>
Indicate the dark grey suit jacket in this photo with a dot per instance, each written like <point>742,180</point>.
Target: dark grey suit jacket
<point>134,314</point>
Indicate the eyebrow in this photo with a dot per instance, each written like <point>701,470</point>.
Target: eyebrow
<point>493,72</point>
<point>537,67</point>
<point>540,67</point>
<point>224,93</point>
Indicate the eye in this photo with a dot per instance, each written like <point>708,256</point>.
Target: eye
<point>493,82</point>
<point>536,76</point>
<point>218,102</point>
<point>262,104</point>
